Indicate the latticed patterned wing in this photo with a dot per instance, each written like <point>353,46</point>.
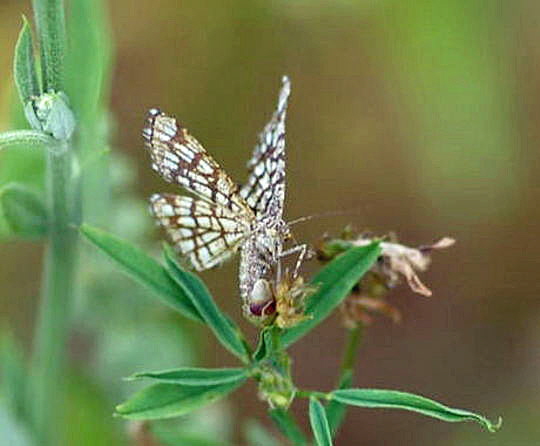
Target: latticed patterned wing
<point>265,188</point>
<point>179,158</point>
<point>204,232</point>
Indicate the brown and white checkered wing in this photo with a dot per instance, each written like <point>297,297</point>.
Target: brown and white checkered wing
<point>179,158</point>
<point>265,188</point>
<point>205,233</point>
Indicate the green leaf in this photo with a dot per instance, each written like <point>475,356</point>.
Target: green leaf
<point>88,64</point>
<point>335,411</point>
<point>24,138</point>
<point>172,400</point>
<point>393,399</point>
<point>319,423</point>
<point>264,344</point>
<point>191,376</point>
<point>142,268</point>
<point>23,211</point>
<point>286,424</point>
<point>50,21</point>
<point>334,283</point>
<point>24,65</point>
<point>269,343</point>
<point>227,332</point>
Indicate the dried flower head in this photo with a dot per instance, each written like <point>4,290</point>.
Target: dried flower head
<point>291,294</point>
<point>397,262</point>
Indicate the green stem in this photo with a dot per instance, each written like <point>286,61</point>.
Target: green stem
<point>312,393</point>
<point>24,137</point>
<point>59,278</point>
<point>286,423</point>
<point>354,338</point>
<point>335,410</point>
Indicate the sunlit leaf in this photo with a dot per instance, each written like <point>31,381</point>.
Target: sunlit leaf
<point>227,332</point>
<point>172,400</point>
<point>142,268</point>
<point>334,283</point>
<point>393,399</point>
<point>319,423</point>
<point>191,376</point>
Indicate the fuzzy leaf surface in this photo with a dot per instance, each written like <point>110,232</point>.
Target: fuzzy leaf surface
<point>24,65</point>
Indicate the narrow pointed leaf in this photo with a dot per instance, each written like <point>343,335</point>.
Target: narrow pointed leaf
<point>50,22</point>
<point>23,211</point>
<point>334,283</point>
<point>288,427</point>
<point>24,65</point>
<point>144,269</point>
<point>335,411</point>
<point>393,399</point>
<point>25,138</point>
<point>172,400</point>
<point>196,376</point>
<point>319,423</point>
<point>227,332</point>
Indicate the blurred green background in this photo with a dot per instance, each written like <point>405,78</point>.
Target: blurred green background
<point>417,117</point>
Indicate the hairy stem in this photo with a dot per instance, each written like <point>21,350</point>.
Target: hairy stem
<point>57,294</point>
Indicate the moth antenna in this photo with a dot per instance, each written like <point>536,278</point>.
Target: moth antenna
<point>322,215</point>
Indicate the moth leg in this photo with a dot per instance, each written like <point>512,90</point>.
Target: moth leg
<point>304,253</point>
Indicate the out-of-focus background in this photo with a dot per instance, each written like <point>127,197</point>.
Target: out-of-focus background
<point>416,117</point>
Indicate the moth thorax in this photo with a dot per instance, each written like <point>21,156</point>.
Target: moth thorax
<point>261,301</point>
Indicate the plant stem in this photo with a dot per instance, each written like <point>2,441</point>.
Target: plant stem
<point>354,338</point>
<point>55,305</point>
<point>335,410</point>
<point>288,426</point>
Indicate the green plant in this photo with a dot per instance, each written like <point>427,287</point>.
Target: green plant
<point>66,111</point>
<point>177,392</point>
<point>62,115</point>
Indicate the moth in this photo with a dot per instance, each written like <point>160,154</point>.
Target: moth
<point>223,218</point>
